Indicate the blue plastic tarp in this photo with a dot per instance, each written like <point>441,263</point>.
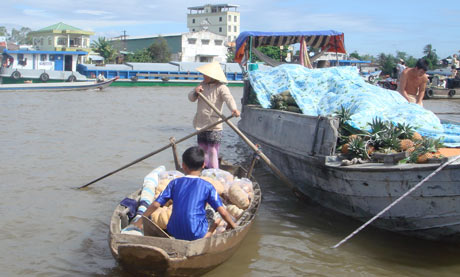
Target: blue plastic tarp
<point>324,91</point>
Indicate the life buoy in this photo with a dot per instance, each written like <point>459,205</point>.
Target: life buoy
<point>134,78</point>
<point>16,75</point>
<point>44,77</point>
<point>71,78</point>
<point>371,78</point>
<point>452,92</point>
<point>429,93</point>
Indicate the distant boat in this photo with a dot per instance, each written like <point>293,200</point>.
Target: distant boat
<point>40,66</point>
<point>160,74</point>
<point>60,86</point>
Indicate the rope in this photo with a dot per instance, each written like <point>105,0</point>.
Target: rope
<point>396,201</point>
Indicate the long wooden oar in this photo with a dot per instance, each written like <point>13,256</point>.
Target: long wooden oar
<point>158,151</point>
<point>255,148</point>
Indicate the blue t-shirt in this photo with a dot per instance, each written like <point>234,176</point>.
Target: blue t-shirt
<point>190,195</point>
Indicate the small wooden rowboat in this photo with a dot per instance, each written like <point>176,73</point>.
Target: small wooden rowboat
<point>163,256</point>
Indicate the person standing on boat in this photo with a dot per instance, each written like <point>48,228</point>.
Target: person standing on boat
<point>214,89</point>
<point>455,61</point>
<point>413,82</point>
<point>401,66</point>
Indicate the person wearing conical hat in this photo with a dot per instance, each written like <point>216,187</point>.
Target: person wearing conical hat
<point>214,89</point>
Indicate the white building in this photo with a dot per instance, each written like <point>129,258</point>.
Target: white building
<point>203,46</point>
<point>198,46</point>
<point>221,19</point>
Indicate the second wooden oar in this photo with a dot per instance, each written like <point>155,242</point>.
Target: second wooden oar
<point>248,142</point>
<point>158,151</point>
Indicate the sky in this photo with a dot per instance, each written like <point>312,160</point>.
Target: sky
<point>370,27</point>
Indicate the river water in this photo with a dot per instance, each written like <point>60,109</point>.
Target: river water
<point>54,142</point>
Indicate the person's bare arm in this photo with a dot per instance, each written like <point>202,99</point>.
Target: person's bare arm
<point>403,84</point>
<point>226,216</point>
<point>152,208</point>
<point>421,90</point>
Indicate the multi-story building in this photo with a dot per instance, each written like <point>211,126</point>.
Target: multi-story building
<point>221,19</point>
<point>61,37</point>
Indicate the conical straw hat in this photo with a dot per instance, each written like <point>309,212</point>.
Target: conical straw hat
<point>214,71</point>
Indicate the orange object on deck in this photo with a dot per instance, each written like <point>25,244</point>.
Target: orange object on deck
<point>448,152</point>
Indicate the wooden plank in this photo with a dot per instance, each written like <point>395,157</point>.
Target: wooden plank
<point>153,230</point>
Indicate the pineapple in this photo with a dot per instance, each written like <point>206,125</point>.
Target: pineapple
<point>370,150</point>
<point>424,157</point>
<point>405,131</point>
<point>352,137</point>
<point>424,150</point>
<point>357,148</point>
<point>416,136</point>
<point>345,148</point>
<point>405,144</point>
<point>411,149</point>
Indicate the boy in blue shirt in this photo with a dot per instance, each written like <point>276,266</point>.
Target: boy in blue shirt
<point>190,195</point>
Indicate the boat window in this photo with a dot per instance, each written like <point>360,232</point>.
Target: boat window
<point>191,40</point>
<point>21,60</point>
<point>218,42</point>
<point>205,41</point>
<point>43,57</point>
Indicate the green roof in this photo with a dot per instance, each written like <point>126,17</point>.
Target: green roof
<point>60,27</point>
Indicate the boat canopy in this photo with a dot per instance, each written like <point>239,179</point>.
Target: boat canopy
<point>328,41</point>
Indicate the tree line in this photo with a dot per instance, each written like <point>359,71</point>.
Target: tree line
<point>388,62</point>
<point>157,52</point>
<point>16,36</point>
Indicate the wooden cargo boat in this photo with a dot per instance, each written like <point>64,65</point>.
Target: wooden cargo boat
<point>304,148</point>
<point>160,256</point>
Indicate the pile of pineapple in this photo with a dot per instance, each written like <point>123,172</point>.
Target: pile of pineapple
<point>285,102</point>
<point>385,137</point>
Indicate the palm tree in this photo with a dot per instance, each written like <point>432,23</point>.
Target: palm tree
<point>104,48</point>
<point>430,56</point>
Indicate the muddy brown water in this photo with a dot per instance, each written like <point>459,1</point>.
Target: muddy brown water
<point>54,142</point>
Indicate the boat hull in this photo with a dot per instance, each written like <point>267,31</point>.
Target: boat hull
<point>61,86</point>
<point>358,191</point>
